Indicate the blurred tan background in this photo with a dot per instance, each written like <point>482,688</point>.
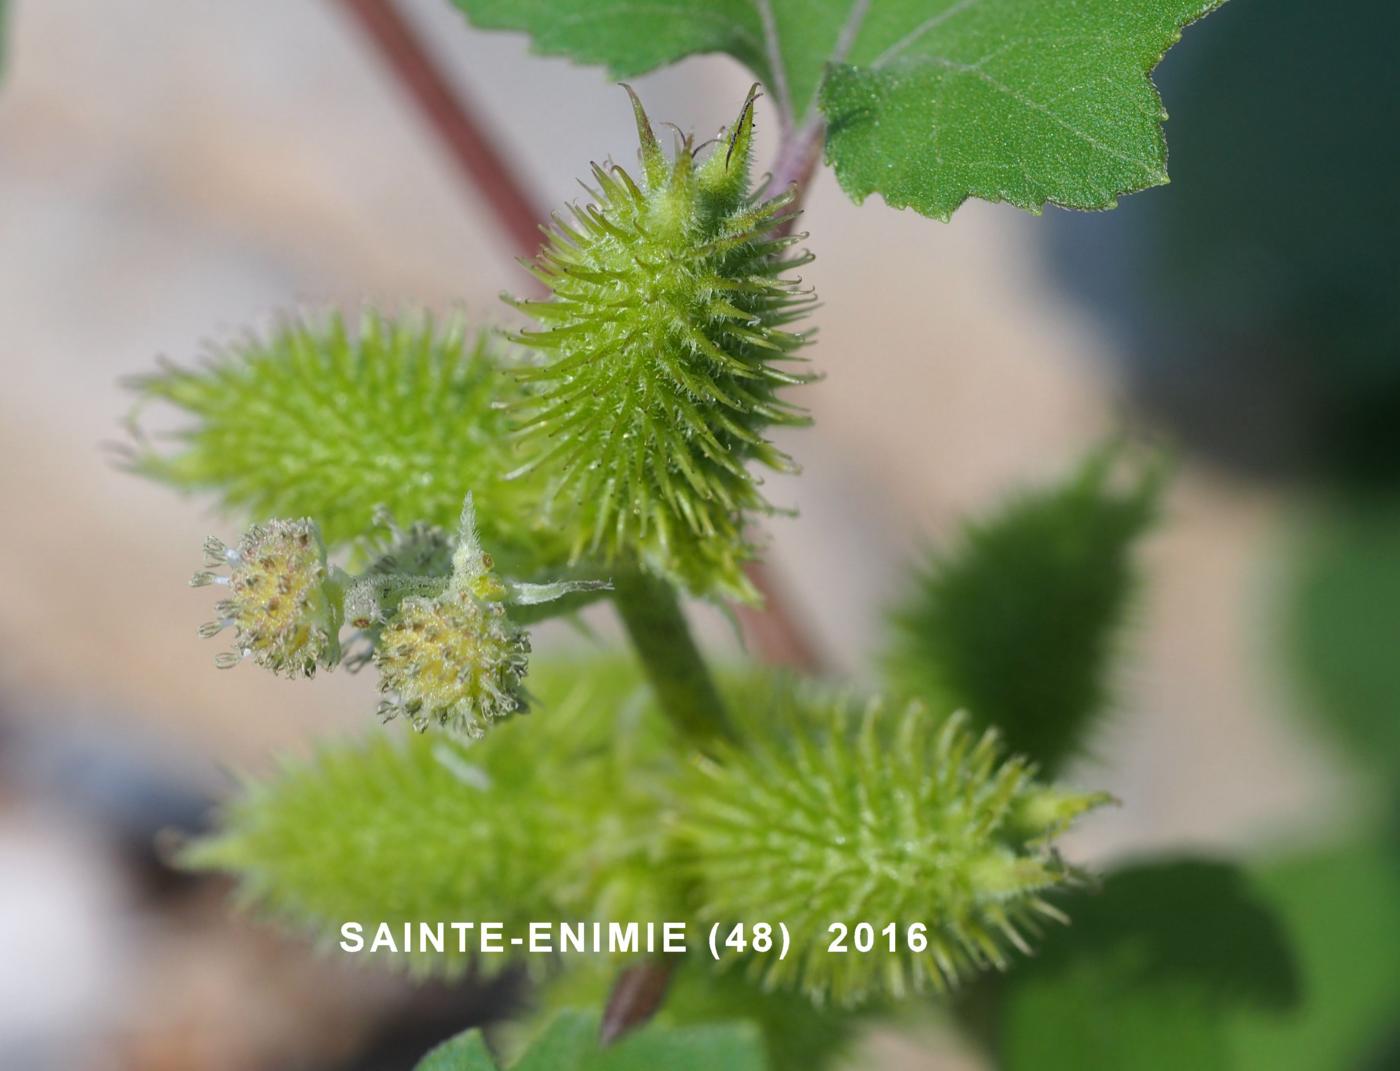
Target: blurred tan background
<point>172,171</point>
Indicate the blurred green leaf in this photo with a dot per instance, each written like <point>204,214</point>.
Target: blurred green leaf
<point>1017,623</point>
<point>1343,628</point>
<point>1148,974</point>
<point>929,102</point>
<point>797,1034</point>
<point>570,1043</point>
<point>465,1052</point>
<point>1225,311</point>
<point>1340,912</point>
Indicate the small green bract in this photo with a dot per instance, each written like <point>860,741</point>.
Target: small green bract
<point>663,347</point>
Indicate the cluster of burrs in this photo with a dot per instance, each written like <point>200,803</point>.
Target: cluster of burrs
<point>431,613</point>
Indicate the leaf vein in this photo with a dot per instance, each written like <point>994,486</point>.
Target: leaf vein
<point>624,11</point>
<point>773,50</point>
<point>918,31</point>
<point>1026,101</point>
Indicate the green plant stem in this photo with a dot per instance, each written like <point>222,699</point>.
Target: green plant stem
<point>658,630</point>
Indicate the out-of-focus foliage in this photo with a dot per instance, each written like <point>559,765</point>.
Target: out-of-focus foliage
<point>317,421</point>
<point>1257,296</point>
<point>1150,975</point>
<point>1342,622</point>
<point>928,103</point>
<point>1340,913</point>
<point>1288,965</point>
<point>1017,623</point>
<point>571,1044</point>
<point>797,1034</point>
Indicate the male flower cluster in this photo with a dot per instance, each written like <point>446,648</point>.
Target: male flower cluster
<point>431,609</point>
<point>456,658</point>
<point>284,604</point>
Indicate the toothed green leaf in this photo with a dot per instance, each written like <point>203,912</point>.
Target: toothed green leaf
<point>1023,101</point>
<point>317,421</point>
<point>1017,622</point>
<point>928,102</point>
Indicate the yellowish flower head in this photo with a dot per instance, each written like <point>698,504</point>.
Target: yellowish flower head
<point>282,604</point>
<point>455,660</point>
